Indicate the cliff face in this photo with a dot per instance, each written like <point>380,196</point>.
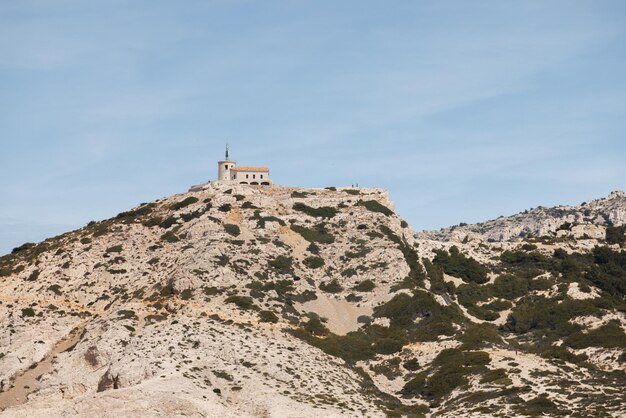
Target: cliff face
<point>589,217</point>
<point>243,301</point>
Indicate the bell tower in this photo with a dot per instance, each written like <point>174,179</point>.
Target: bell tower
<point>224,166</point>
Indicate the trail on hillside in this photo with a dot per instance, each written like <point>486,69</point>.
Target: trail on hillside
<point>28,381</point>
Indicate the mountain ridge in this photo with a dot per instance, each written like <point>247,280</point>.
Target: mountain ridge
<point>280,301</point>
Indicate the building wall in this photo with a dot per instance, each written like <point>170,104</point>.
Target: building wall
<point>250,176</point>
<point>223,169</point>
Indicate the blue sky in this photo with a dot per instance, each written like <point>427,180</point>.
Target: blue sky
<point>463,110</point>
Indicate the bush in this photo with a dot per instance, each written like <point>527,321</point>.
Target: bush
<point>416,274</point>
<point>184,203</point>
<point>365,286</point>
<point>169,236</point>
<point>375,206</point>
<point>232,229</point>
<point>508,286</point>
<point>352,347</point>
<point>243,302</point>
<point>331,287</point>
<point>313,262</point>
<point>55,288</point>
<point>168,222</point>
<point>114,249</point>
<point>411,365</point>
<point>282,264</point>
<point>33,276</point>
<point>322,212</point>
<point>458,265</point>
<point>610,335</point>
<point>616,234</point>
<point>479,336</point>
<point>27,312</point>
<point>226,207</point>
<point>23,247</point>
<point>315,325</point>
<point>318,234</point>
<point>297,194</point>
<point>268,316</point>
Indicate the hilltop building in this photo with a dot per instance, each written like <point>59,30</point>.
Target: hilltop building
<point>229,172</point>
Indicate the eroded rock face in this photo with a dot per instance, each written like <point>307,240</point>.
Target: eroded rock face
<point>245,301</point>
<point>595,216</point>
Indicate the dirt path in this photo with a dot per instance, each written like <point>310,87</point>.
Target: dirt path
<point>28,381</point>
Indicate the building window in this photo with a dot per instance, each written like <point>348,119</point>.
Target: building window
<point>226,166</point>
<point>261,175</point>
<point>247,175</point>
<point>254,176</point>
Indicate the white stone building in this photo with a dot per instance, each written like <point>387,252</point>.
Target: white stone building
<point>229,172</point>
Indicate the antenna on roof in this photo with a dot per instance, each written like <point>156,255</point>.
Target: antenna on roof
<point>227,151</point>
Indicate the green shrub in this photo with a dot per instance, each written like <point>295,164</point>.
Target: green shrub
<point>331,287</point>
<point>411,365</point>
<point>375,206</point>
<point>461,266</point>
<point>297,194</point>
<point>169,236</point>
<point>352,347</point>
<point>282,264</point>
<point>352,192</point>
<point>184,203</point>
<point>232,229</point>
<point>539,406</point>
<point>131,215</point>
<point>23,247</point>
<point>479,336</point>
<point>349,272</point>
<point>497,376</point>
<point>416,274</point>
<point>610,335</point>
<point>226,207</point>
<point>498,305</point>
<point>33,276</point>
<point>318,234</point>
<point>168,222</point>
<point>315,325</point>
<point>527,264</point>
<point>365,286</point>
<point>55,288</point>
<point>322,212</point>
<point>469,294</point>
<point>404,311</point>
<point>313,262</point>
<point>243,302</point>
<point>415,386</point>
<point>248,205</point>
<point>27,312</point>
<point>616,234</point>
<point>510,287</point>
<point>114,249</point>
<point>268,316</point>
<point>239,197</point>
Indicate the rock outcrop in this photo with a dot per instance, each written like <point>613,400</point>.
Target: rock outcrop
<point>244,301</point>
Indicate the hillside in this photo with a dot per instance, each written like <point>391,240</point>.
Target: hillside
<point>243,301</point>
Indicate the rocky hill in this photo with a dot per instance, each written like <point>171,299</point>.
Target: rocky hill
<point>588,218</point>
<point>244,301</point>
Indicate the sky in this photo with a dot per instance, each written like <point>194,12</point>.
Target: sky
<point>463,111</point>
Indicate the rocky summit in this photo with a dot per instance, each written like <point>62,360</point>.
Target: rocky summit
<point>242,301</point>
